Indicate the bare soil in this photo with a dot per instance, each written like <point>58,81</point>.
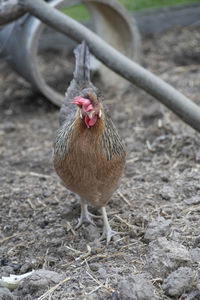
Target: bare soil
<point>156,253</point>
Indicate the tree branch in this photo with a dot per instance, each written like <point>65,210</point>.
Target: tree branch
<point>183,107</point>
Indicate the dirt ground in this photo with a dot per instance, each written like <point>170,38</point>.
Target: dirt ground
<point>156,254</point>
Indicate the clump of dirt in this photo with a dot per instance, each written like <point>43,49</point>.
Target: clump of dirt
<point>156,209</point>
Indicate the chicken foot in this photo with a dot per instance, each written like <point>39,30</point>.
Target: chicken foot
<point>85,215</point>
<point>107,231</point>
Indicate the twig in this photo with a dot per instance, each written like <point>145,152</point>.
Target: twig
<point>74,250</point>
<point>52,290</point>
<point>132,160</point>
<point>69,227</point>
<point>99,284</point>
<point>8,238</point>
<point>123,221</point>
<point>32,174</point>
<point>157,280</point>
<point>97,281</point>
<point>30,203</point>
<point>39,175</point>
<point>85,255</point>
<point>21,244</point>
<point>149,147</point>
<point>124,198</point>
<point>94,290</point>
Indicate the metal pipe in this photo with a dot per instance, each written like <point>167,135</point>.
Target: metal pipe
<point>21,40</point>
<point>182,106</point>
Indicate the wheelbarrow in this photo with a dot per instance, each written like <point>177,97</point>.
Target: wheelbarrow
<point>23,40</point>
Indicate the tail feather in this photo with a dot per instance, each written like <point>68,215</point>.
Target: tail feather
<point>82,68</point>
<point>80,81</point>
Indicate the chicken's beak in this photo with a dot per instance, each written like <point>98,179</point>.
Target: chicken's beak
<point>90,114</point>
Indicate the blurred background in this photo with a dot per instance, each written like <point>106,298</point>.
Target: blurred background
<point>44,56</point>
<point>79,12</point>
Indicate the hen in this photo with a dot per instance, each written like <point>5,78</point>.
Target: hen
<point>89,155</point>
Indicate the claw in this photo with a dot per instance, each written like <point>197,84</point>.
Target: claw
<point>84,220</point>
<point>85,216</point>
<point>108,234</point>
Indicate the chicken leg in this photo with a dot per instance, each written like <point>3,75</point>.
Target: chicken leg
<point>85,215</point>
<point>107,231</point>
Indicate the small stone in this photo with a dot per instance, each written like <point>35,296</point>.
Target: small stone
<point>102,272</point>
<point>175,235</point>
<point>195,254</point>
<point>6,270</point>
<point>42,178</point>
<point>178,282</point>
<point>5,294</point>
<point>25,268</point>
<point>165,256</point>
<point>90,233</point>
<point>94,267</point>
<point>141,218</point>
<point>44,223</point>
<point>4,261</point>
<point>8,127</point>
<point>197,241</point>
<point>136,287</point>
<point>37,282</point>
<point>167,192</point>
<point>193,200</point>
<point>56,233</point>
<point>16,267</point>
<point>165,178</point>
<point>156,228</point>
<point>194,295</point>
<point>114,295</point>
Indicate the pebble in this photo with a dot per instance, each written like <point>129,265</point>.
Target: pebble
<point>5,294</point>
<point>136,287</point>
<point>26,267</point>
<point>166,256</point>
<point>37,282</point>
<point>195,254</point>
<point>194,295</point>
<point>197,241</point>
<point>178,282</point>
<point>193,200</point>
<point>167,192</point>
<point>90,233</point>
<point>8,127</point>
<point>94,267</point>
<point>102,272</point>
<point>156,228</point>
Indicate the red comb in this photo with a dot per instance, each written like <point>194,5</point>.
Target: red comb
<point>86,104</point>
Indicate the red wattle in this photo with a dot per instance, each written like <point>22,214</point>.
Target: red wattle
<point>90,122</point>
<point>93,120</point>
<point>87,121</point>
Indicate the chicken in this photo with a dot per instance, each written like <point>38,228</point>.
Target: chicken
<point>89,155</point>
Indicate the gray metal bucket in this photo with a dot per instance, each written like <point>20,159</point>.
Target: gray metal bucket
<point>20,42</point>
